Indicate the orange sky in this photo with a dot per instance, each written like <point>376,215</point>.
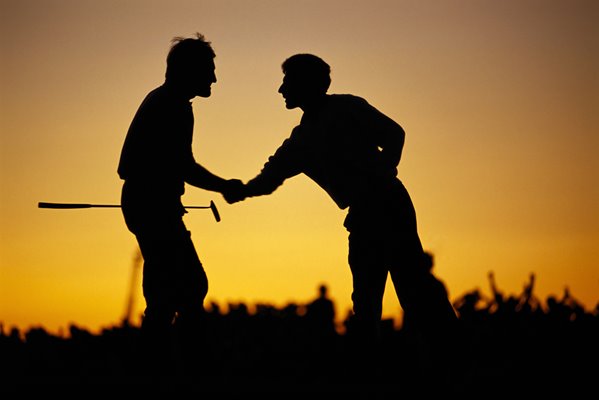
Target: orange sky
<point>499,101</point>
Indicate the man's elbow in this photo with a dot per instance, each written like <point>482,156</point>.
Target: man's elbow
<point>400,133</point>
<point>400,140</point>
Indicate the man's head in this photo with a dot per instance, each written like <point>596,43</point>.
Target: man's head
<point>190,65</point>
<point>307,77</point>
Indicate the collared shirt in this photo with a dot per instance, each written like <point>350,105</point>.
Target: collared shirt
<point>346,146</point>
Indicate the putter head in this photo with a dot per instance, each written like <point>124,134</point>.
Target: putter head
<point>214,211</point>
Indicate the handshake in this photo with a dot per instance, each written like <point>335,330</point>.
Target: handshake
<point>234,191</point>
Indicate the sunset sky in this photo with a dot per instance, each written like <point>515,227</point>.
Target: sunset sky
<point>499,101</point>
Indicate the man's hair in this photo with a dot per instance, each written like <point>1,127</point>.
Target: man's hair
<point>184,52</point>
<point>312,70</point>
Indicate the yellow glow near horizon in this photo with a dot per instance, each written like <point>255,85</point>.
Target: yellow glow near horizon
<point>498,101</point>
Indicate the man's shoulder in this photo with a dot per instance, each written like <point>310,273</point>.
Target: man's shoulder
<point>344,103</point>
<point>346,98</point>
<point>153,97</point>
<point>159,94</point>
<point>162,99</point>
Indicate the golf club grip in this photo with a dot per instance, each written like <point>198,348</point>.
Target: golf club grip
<point>63,205</point>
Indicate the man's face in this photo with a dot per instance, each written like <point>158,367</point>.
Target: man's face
<point>202,77</point>
<point>293,91</point>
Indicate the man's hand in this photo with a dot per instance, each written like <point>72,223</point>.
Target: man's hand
<point>234,191</point>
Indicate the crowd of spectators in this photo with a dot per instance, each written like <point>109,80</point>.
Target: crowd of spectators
<point>512,344</point>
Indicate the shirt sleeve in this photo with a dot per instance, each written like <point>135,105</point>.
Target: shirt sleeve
<point>388,134</point>
<point>285,163</point>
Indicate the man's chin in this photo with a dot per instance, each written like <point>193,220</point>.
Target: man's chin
<point>204,93</point>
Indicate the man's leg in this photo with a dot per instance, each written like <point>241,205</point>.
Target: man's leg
<point>156,328</point>
<point>421,295</point>
<point>162,243</point>
<point>190,324</point>
<point>157,339</point>
<point>369,278</point>
<point>429,320</point>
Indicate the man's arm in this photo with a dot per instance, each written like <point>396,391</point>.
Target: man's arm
<point>283,164</point>
<point>200,177</point>
<point>264,183</point>
<point>388,134</point>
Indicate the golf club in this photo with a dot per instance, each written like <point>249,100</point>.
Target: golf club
<point>67,206</point>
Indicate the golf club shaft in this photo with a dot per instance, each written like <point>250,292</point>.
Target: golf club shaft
<point>87,205</point>
<point>75,205</point>
<point>67,206</point>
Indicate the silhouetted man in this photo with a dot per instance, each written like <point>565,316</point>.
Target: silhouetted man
<point>156,162</point>
<point>320,314</point>
<point>352,150</point>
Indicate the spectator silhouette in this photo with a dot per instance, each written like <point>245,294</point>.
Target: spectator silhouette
<point>428,263</point>
<point>322,336</point>
<point>156,162</point>
<point>352,150</point>
<point>320,315</point>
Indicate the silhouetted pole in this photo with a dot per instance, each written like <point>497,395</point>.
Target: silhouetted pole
<point>132,285</point>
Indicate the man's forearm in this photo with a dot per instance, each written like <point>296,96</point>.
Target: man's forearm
<point>200,177</point>
<point>262,185</point>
